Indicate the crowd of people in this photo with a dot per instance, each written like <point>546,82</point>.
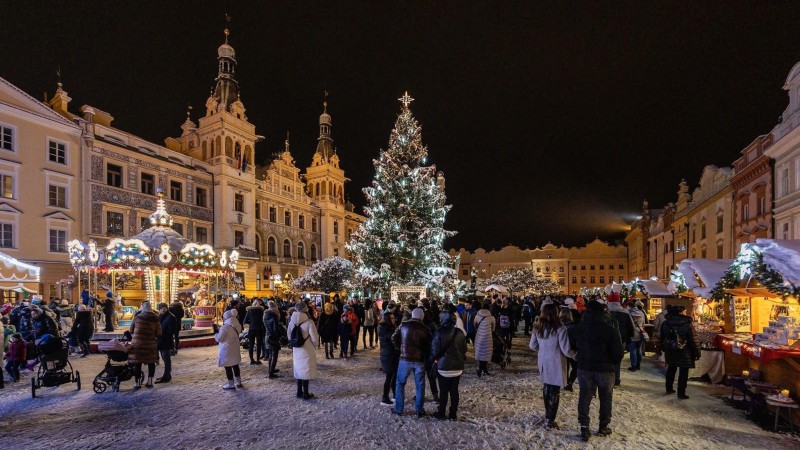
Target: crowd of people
<point>581,340</point>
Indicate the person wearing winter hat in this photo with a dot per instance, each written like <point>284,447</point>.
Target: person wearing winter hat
<point>448,352</point>
<point>598,349</point>
<point>15,356</point>
<point>145,329</point>
<point>390,356</point>
<point>109,307</point>
<point>84,327</point>
<point>413,339</point>
<point>484,324</point>
<point>66,314</point>
<point>169,327</point>
<point>304,358</point>
<point>229,354</point>
<point>355,323</point>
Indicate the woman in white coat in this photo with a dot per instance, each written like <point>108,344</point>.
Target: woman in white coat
<point>304,358</point>
<point>549,339</point>
<point>484,325</point>
<point>229,354</point>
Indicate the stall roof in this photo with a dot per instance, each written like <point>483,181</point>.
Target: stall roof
<point>15,274</point>
<point>710,272</point>
<point>656,288</point>
<point>783,256</point>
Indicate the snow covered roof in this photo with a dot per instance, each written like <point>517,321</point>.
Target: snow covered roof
<point>783,256</point>
<point>709,271</point>
<point>655,288</point>
<point>157,235</point>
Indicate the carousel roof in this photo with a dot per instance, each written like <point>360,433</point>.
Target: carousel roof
<point>161,230</point>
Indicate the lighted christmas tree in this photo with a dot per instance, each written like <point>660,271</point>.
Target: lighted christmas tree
<point>401,240</point>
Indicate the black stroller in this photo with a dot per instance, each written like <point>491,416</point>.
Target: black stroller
<point>501,354</point>
<point>54,366</point>
<point>116,369</point>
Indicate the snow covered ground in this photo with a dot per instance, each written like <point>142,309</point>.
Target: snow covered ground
<point>502,411</point>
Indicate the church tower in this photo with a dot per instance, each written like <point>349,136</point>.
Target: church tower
<point>225,140</point>
<point>325,184</point>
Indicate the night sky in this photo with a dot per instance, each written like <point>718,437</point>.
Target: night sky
<point>551,122</point>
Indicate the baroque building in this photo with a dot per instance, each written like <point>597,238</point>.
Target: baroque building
<point>593,265</point>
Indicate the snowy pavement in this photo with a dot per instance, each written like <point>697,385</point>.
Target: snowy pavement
<point>501,411</point>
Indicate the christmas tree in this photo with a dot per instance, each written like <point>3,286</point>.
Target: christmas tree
<point>332,274</point>
<point>400,242</point>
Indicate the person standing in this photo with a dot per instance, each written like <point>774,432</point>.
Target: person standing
<point>527,315</point>
<point>329,328</point>
<point>146,330</point>
<point>15,356</point>
<point>345,329</point>
<point>274,331</point>
<point>413,340</point>
<point>484,327</point>
<point>567,316</point>
<point>229,355</point>
<point>370,323</point>
<point>66,314</point>
<point>169,327</point>
<point>637,340</point>
<point>390,357</point>
<point>304,357</point>
<point>624,322</point>
<point>84,327</point>
<point>176,308</point>
<point>599,348</point>
<point>354,321</point>
<point>359,311</point>
<point>108,312</point>
<point>471,310</point>
<point>680,349</point>
<point>448,352</point>
<point>254,319</point>
<point>551,342</point>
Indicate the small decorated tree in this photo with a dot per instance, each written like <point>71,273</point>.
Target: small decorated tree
<point>332,274</point>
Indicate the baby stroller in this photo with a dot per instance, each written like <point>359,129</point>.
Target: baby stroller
<point>117,368</point>
<point>501,354</point>
<point>54,366</point>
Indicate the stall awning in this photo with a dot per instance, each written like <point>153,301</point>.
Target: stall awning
<point>18,276</point>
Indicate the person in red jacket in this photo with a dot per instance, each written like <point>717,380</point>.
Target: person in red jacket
<point>354,323</point>
<point>15,356</point>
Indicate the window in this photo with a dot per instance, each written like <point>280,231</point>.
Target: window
<point>238,202</point>
<point>201,235</point>
<point>272,214</point>
<point>58,241</point>
<point>57,196</point>
<point>602,267</point>
<point>301,222</point>
<point>57,152</point>
<point>176,191</point>
<point>6,235</point>
<point>602,279</point>
<point>287,218</point>
<point>178,227</point>
<point>258,244</point>
<point>703,252</point>
<point>786,230</point>
<point>538,270</point>
<point>114,175</point>
<point>611,279</point>
<point>271,250</point>
<point>592,279</point>
<point>719,251</point>
<point>561,269</point>
<point>583,280</point>
<point>785,181</point>
<point>336,252</point>
<point>287,249</point>
<point>258,210</point>
<point>7,138</point>
<point>115,224</point>
<point>313,252</point>
<point>703,230</point>
<point>591,267</point>
<point>314,224</point>
<point>238,238</point>
<point>574,267</point>
<point>745,212</point>
<point>201,197</point>
<point>147,183</point>
<point>762,206</point>
<point>336,227</point>
<point>6,186</point>
<point>620,267</point>
<point>301,250</point>
<point>144,223</point>
<point>574,280</point>
<point>583,267</point>
<point>719,223</point>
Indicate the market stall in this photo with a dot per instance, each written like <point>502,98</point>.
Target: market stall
<point>17,276</point>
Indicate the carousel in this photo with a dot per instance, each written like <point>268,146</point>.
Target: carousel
<point>162,261</point>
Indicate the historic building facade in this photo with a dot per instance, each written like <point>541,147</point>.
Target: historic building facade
<point>710,215</point>
<point>40,189</point>
<point>593,265</point>
<point>752,186</point>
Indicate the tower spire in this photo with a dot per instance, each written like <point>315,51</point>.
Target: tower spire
<point>325,142</point>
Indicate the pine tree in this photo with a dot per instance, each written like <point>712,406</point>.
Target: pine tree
<point>401,240</point>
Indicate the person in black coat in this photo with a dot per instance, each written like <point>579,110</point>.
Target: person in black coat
<point>177,311</point>
<point>328,328</point>
<point>448,352</point>
<point>680,349</point>
<point>274,331</point>
<point>599,349</point>
<point>108,311</point>
<point>169,328</point>
<point>390,356</point>
<point>42,323</point>
<point>84,327</point>
<point>254,318</point>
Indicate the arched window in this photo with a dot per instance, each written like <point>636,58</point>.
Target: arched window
<point>271,250</point>
<point>228,147</point>
<point>205,150</point>
<point>313,252</point>
<point>287,249</point>
<point>317,190</point>
<point>258,244</point>
<point>237,152</point>
<point>301,250</point>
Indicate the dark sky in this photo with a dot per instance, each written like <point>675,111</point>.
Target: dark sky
<point>551,121</point>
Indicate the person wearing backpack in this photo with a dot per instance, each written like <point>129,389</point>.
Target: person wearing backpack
<point>505,322</point>
<point>303,339</point>
<point>680,349</point>
<point>471,310</point>
<point>527,315</point>
<point>370,323</point>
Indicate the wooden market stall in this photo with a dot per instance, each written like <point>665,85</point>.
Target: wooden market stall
<point>16,278</point>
